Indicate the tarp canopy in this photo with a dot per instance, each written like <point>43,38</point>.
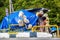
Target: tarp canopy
<point>13,19</point>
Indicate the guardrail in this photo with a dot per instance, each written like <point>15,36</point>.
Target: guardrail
<point>35,27</point>
<point>48,26</point>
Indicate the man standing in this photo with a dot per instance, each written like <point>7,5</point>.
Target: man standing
<point>41,20</point>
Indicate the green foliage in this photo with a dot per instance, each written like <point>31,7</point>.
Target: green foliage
<point>53,5</point>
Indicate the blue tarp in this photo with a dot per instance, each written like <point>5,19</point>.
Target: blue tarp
<point>13,18</point>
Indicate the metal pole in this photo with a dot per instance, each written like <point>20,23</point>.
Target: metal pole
<point>12,8</point>
<point>10,2</point>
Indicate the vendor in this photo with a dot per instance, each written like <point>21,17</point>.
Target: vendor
<point>23,20</point>
<point>47,19</point>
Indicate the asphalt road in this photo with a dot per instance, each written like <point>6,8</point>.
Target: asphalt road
<point>29,38</point>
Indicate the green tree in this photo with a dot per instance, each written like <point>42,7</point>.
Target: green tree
<point>53,5</point>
